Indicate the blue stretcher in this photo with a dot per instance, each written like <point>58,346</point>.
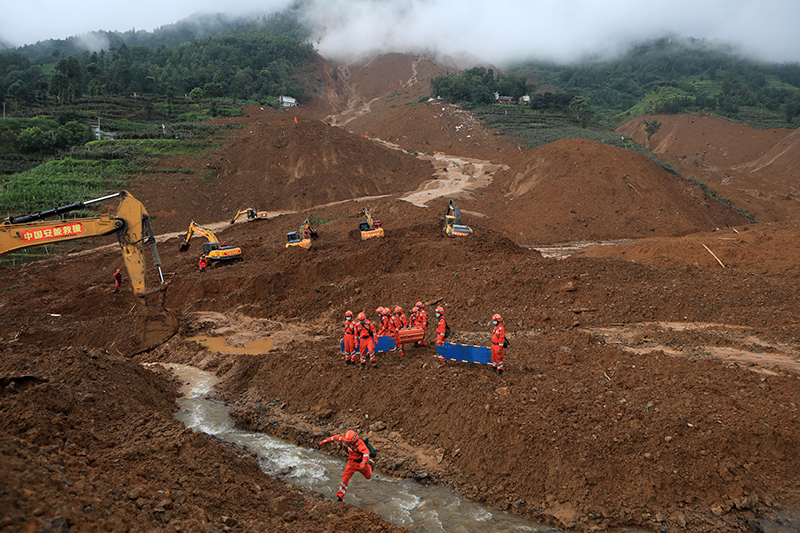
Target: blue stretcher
<point>385,344</point>
<point>465,353</point>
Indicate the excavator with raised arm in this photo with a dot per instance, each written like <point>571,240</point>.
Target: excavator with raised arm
<point>131,224</point>
<point>451,222</point>
<point>152,325</point>
<point>370,228</point>
<point>213,250</point>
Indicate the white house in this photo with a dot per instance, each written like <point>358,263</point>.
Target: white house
<point>287,101</point>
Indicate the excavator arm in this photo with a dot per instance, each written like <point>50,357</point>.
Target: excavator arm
<point>131,224</point>
<point>200,230</point>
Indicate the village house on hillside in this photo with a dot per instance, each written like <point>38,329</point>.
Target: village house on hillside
<point>287,101</point>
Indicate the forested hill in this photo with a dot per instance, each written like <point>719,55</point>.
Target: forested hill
<point>256,60</point>
<point>184,31</point>
<point>673,75</point>
<point>668,75</point>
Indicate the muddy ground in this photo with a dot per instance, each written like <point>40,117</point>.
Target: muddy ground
<point>651,383</point>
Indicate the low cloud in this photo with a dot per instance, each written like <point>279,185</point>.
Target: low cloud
<point>497,32</point>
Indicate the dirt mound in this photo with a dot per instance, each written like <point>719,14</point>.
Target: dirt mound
<point>277,161</point>
<point>576,189</point>
<point>732,159</point>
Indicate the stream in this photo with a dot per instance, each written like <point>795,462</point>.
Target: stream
<point>405,503</point>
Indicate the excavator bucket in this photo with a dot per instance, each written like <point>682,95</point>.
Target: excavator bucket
<point>184,246</point>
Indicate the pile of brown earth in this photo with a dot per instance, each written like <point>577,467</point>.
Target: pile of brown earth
<point>648,384</point>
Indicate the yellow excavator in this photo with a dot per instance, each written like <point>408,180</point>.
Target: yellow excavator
<point>252,214</point>
<point>131,224</point>
<point>303,237</point>
<point>451,223</point>
<point>213,250</point>
<point>369,229</point>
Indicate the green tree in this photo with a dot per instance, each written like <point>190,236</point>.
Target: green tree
<point>35,139</point>
<point>651,127</point>
<point>196,94</point>
<point>67,80</point>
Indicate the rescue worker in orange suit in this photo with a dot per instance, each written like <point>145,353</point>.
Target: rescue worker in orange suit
<point>397,322</point>
<point>357,459</point>
<point>498,340</point>
<point>441,330</point>
<point>365,332</point>
<point>412,317</point>
<point>383,321</point>
<point>203,263</point>
<point>117,280</point>
<point>350,346</point>
<point>422,322</point>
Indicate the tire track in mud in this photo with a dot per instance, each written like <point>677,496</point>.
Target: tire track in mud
<point>696,339</point>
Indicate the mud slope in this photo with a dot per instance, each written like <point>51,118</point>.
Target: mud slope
<point>270,162</point>
<point>755,169</point>
<point>575,189</point>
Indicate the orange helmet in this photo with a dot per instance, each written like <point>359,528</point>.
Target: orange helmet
<point>497,317</point>
<point>348,313</point>
<point>419,305</point>
<point>350,437</point>
<point>414,309</point>
<point>362,316</point>
<point>398,310</point>
<point>440,310</point>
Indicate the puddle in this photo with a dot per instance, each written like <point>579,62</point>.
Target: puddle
<point>220,344</point>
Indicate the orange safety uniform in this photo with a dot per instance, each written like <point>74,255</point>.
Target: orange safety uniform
<point>383,324</point>
<point>498,338</point>
<point>396,323</point>
<point>422,321</point>
<point>202,263</point>
<point>350,346</point>
<point>357,461</point>
<point>365,332</point>
<point>117,280</point>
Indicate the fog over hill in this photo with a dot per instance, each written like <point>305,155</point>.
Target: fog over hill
<point>499,33</point>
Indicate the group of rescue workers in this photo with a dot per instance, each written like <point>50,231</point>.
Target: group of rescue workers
<point>360,334</point>
<point>359,343</point>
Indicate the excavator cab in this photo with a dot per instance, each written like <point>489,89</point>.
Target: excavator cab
<point>451,223</point>
<point>369,229</point>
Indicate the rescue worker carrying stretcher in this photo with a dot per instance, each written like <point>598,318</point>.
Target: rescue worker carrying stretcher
<point>422,322</point>
<point>498,340</point>
<point>365,332</point>
<point>357,458</point>
<point>350,343</point>
<point>383,321</point>
<point>396,323</point>
<point>441,330</point>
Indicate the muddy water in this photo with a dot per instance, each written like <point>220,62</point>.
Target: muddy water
<point>219,344</point>
<point>399,501</point>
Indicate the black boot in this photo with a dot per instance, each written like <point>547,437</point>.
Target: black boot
<point>499,372</point>
<point>363,366</point>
